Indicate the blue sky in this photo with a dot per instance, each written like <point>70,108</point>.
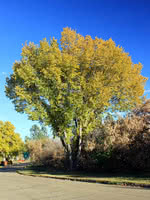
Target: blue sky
<point>127,22</point>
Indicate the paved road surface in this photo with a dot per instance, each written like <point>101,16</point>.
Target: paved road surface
<point>18,187</point>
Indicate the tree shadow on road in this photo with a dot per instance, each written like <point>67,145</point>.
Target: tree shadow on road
<point>14,167</point>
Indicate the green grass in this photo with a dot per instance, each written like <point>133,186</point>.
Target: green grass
<point>114,178</point>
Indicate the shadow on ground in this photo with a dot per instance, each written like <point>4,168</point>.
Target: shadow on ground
<point>14,167</point>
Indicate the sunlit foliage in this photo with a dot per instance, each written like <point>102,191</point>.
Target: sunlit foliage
<point>10,141</point>
<point>68,86</point>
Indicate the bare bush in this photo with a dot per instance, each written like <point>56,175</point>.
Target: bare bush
<point>130,141</point>
<point>46,152</point>
<point>120,144</point>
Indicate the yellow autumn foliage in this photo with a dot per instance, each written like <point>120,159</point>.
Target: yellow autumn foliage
<point>68,86</point>
<point>10,142</point>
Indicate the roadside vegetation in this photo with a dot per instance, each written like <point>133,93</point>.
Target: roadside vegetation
<point>11,144</point>
<point>124,179</point>
<point>115,153</point>
<point>76,87</point>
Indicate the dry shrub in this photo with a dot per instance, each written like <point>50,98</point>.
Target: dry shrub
<point>46,152</point>
<point>121,144</point>
<point>130,141</point>
<point>96,151</point>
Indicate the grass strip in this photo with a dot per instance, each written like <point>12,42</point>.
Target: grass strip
<point>124,180</point>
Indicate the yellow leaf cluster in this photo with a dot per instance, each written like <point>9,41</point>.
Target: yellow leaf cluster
<point>76,80</point>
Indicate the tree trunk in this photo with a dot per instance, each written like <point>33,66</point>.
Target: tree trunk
<point>80,143</point>
<point>78,149</point>
<point>68,151</point>
<point>69,155</point>
<point>73,154</point>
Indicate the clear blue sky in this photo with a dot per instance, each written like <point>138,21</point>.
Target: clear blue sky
<point>127,22</point>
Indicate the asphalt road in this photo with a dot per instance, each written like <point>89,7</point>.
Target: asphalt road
<point>18,187</point>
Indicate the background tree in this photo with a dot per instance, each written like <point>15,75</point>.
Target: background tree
<point>10,142</point>
<point>37,133</point>
<point>69,88</point>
